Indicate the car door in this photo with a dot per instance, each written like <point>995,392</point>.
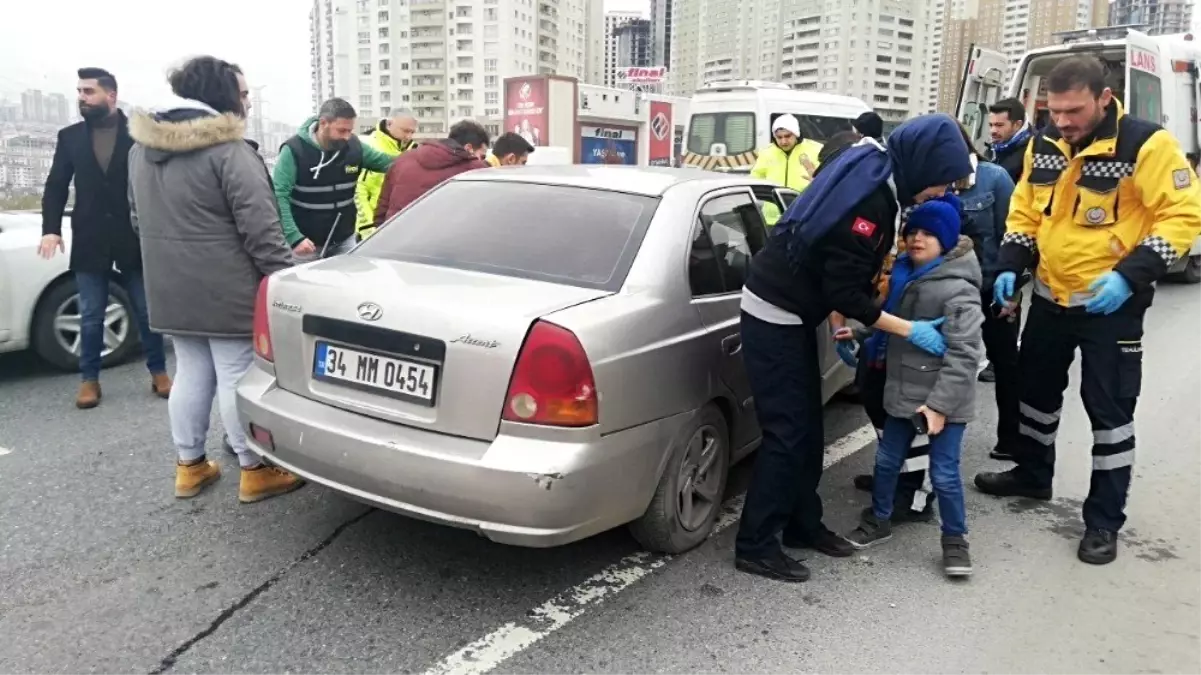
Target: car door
<point>728,230</point>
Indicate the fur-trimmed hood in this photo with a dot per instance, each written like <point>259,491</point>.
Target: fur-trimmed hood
<point>184,127</point>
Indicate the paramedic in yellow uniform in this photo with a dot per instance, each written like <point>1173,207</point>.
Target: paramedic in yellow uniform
<point>1106,204</point>
<point>789,161</point>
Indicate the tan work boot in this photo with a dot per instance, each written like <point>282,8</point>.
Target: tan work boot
<point>89,395</point>
<point>190,479</point>
<point>266,482</point>
<point>161,385</point>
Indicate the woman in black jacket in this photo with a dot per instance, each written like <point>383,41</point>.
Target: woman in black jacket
<point>822,257</point>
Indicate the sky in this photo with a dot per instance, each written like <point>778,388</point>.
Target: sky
<point>138,41</point>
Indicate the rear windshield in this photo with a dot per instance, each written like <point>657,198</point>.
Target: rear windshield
<point>568,235</point>
<point>735,129</point>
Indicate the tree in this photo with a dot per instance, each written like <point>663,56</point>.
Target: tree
<point>21,203</point>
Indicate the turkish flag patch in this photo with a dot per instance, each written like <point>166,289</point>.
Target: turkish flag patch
<point>865,228</point>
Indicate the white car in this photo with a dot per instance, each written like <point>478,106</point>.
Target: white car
<point>39,304</point>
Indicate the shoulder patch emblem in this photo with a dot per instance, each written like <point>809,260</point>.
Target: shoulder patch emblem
<point>1095,215</point>
<point>863,228</point>
<point>1181,178</point>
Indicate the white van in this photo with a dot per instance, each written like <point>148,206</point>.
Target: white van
<point>1155,78</point>
<point>730,121</point>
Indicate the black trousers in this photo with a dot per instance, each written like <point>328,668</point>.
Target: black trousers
<point>785,377</point>
<point>1001,347</point>
<point>912,493</point>
<point>1111,378</point>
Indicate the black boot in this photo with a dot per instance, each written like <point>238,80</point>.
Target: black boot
<point>988,374</point>
<point>1001,453</point>
<point>864,482</point>
<point>1011,483</point>
<point>778,566</point>
<point>1098,547</point>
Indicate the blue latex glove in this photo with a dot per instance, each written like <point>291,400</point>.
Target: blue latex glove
<point>925,336</point>
<point>1002,288</point>
<point>1109,290</point>
<point>846,352</point>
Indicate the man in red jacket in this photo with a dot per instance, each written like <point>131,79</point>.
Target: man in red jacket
<point>418,171</point>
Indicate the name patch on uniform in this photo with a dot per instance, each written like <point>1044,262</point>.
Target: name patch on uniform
<point>1181,178</point>
<point>863,227</point>
<point>352,168</point>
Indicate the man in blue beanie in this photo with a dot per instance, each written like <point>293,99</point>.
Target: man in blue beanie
<point>938,275</point>
<point>821,257</point>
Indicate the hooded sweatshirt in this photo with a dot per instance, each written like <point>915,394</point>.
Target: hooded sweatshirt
<point>285,178</point>
<point>204,211</point>
<point>419,171</point>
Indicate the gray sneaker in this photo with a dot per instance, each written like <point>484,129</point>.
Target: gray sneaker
<point>871,531</point>
<point>956,560</point>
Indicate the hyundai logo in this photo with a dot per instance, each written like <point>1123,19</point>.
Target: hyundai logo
<point>369,311</point>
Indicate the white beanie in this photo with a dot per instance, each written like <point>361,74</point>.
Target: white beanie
<point>787,123</point>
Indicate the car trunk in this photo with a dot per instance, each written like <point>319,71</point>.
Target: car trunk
<point>441,341</point>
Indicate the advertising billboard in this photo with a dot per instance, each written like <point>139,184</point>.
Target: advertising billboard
<point>638,75</point>
<point>526,109</point>
<point>662,132</point>
<point>608,145</point>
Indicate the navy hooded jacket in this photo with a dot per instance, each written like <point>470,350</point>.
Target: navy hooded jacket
<point>826,250</point>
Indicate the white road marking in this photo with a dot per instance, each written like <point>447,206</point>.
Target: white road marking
<point>5,451</point>
<point>511,639</point>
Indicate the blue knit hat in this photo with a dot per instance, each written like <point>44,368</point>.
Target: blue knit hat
<point>939,217</point>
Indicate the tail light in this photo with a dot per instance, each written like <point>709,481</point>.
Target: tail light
<point>552,382</point>
<point>262,326</point>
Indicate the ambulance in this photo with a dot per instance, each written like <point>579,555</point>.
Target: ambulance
<point>1155,77</point>
<point>730,121</point>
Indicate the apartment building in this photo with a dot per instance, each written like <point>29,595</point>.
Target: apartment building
<point>1159,17</point>
<point>713,40</point>
<point>661,11</point>
<point>1012,27</point>
<point>871,49</point>
<point>613,22</point>
<point>446,60</point>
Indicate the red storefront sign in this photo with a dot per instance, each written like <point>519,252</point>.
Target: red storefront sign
<point>662,133</point>
<point>526,108</point>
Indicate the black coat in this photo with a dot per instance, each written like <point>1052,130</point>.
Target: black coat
<point>101,233</point>
<point>1011,160</point>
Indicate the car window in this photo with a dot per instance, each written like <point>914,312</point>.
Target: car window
<point>735,230</point>
<point>562,234</point>
<point>704,272</point>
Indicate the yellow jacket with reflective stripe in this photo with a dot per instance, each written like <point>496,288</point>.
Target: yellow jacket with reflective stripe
<point>1128,202</point>
<point>366,194</point>
<point>785,169</point>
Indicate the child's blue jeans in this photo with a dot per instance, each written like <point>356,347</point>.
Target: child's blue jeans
<point>944,471</point>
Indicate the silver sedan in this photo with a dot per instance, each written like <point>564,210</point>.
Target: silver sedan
<point>537,354</point>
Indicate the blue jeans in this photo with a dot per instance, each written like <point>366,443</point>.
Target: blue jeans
<point>944,471</point>
<point>93,302</point>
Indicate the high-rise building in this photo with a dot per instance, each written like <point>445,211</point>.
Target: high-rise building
<point>56,109</point>
<point>446,60</point>
<point>1158,17</point>
<point>720,40</point>
<point>33,107</point>
<point>614,21</point>
<point>1012,27</point>
<point>661,11</point>
<point>634,44</point>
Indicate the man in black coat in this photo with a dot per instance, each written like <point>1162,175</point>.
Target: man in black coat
<point>1010,135</point>
<point>94,154</point>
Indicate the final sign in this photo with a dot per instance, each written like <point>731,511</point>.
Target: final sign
<point>636,75</point>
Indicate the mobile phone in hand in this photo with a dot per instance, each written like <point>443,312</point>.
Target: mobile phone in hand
<point>921,425</point>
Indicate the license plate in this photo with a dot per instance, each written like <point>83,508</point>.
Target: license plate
<point>373,372</point>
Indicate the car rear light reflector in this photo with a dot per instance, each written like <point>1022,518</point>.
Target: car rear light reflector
<point>552,381</point>
<point>262,324</point>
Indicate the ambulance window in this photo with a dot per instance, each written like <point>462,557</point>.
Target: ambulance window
<point>734,129</point>
<point>1146,96</point>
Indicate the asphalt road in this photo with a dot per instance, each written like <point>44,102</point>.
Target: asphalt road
<point>102,570</point>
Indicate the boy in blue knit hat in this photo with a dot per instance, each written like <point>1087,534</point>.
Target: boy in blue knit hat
<point>937,278</point>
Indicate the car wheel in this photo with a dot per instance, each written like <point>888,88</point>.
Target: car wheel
<point>1191,274</point>
<point>688,498</point>
<point>56,327</point>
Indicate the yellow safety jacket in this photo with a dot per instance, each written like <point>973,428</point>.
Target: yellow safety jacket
<point>785,169</point>
<point>366,194</point>
<point>1129,202</point>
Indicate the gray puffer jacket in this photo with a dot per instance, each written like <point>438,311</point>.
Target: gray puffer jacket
<point>206,216</point>
<point>946,384</point>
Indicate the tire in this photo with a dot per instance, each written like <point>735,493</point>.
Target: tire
<point>54,345</point>
<point>662,529</point>
<point>1191,274</point>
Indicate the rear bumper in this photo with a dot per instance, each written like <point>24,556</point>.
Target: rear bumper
<point>512,490</point>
